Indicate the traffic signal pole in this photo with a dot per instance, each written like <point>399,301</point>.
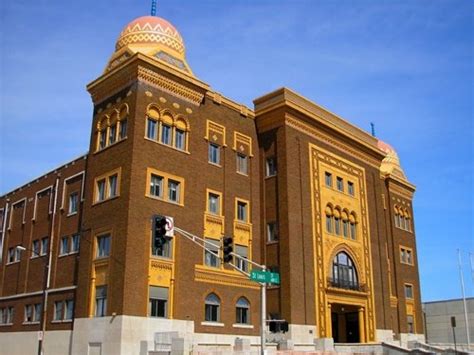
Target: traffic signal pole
<point>263,286</point>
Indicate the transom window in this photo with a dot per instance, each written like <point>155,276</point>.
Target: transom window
<point>344,274</point>
<point>212,308</point>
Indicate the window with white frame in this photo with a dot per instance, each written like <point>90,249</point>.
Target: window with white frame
<point>101,301</point>
<point>103,246</point>
<point>212,308</point>
<point>44,246</point>
<point>165,134</point>
<point>63,310</point>
<point>272,231</point>
<point>156,185</point>
<point>75,242</point>
<point>242,164</point>
<point>32,313</point>
<point>211,257</point>
<point>214,154</point>
<point>173,191</point>
<point>180,139</point>
<point>152,129</point>
<point>113,185</point>
<point>64,246</point>
<point>242,311</point>
<point>35,248</point>
<point>58,310</point>
<point>213,203</point>
<point>73,203</point>
<point>270,167</point>
<point>242,211</point>
<point>242,262</point>
<point>158,301</point>
<point>6,315</point>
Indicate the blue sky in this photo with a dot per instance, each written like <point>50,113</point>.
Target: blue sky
<point>405,65</point>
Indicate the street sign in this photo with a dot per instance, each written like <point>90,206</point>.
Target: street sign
<point>265,277</point>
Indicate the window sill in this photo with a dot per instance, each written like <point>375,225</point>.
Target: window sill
<point>243,326</point>
<point>272,242</point>
<point>71,214</point>
<point>31,323</point>
<point>13,262</point>
<point>100,150</point>
<point>270,176</point>
<point>242,174</point>
<point>6,325</point>
<point>157,198</point>
<point>215,164</point>
<point>105,200</point>
<point>60,321</point>
<point>212,324</point>
<point>167,145</point>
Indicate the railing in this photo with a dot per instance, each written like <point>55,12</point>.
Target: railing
<point>347,285</point>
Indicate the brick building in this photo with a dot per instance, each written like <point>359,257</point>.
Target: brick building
<point>298,188</point>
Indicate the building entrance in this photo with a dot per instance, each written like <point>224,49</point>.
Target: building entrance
<point>345,324</point>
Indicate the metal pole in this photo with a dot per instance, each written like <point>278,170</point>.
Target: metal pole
<point>464,301</point>
<point>263,324</point>
<point>46,285</point>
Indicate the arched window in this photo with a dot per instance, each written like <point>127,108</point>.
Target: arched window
<point>212,308</point>
<point>242,311</point>
<point>337,222</point>
<point>344,274</point>
<point>329,218</point>
<point>345,224</point>
<point>352,225</point>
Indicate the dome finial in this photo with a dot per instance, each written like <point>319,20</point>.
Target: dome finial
<point>153,8</point>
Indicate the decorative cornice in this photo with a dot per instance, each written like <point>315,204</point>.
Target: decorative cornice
<point>307,129</point>
<point>405,192</point>
<point>223,277</point>
<point>170,86</point>
<point>222,100</point>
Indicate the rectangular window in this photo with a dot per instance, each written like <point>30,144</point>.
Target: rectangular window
<point>64,246</point>
<point>3,316</point>
<point>270,167</point>
<point>211,258</point>
<point>350,188</point>
<point>179,139</point>
<point>240,263</point>
<point>112,185</point>
<point>73,202</point>
<point>156,186</point>
<point>100,190</point>
<point>11,255</point>
<point>406,256</point>
<point>353,230</point>
<point>69,310</point>
<point>102,139</point>
<point>242,315</point>
<point>75,241</point>
<point>408,291</point>
<point>28,313</point>
<point>173,191</point>
<point>35,248</point>
<point>328,179</point>
<point>345,228</point>
<point>337,226</point>
<point>44,246</point>
<point>151,131</point>
<point>103,246</point>
<point>158,302</point>
<point>242,211</point>
<point>242,164</point>
<point>272,231</point>
<point>410,324</point>
<point>123,129</point>
<point>112,134</point>
<point>37,312</point>
<point>214,154</point>
<point>340,184</point>
<point>58,310</point>
<point>328,224</point>
<point>213,203</point>
<point>100,301</point>
<point>165,134</point>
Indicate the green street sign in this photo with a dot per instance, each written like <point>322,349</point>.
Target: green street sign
<point>265,277</point>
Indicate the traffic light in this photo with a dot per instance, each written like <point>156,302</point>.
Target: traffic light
<point>227,249</point>
<point>159,231</point>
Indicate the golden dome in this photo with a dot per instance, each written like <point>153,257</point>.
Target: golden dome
<point>150,31</point>
<point>152,36</point>
<point>391,163</point>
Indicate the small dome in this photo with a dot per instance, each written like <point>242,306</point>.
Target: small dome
<point>154,37</point>
<point>151,30</point>
<point>391,163</point>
